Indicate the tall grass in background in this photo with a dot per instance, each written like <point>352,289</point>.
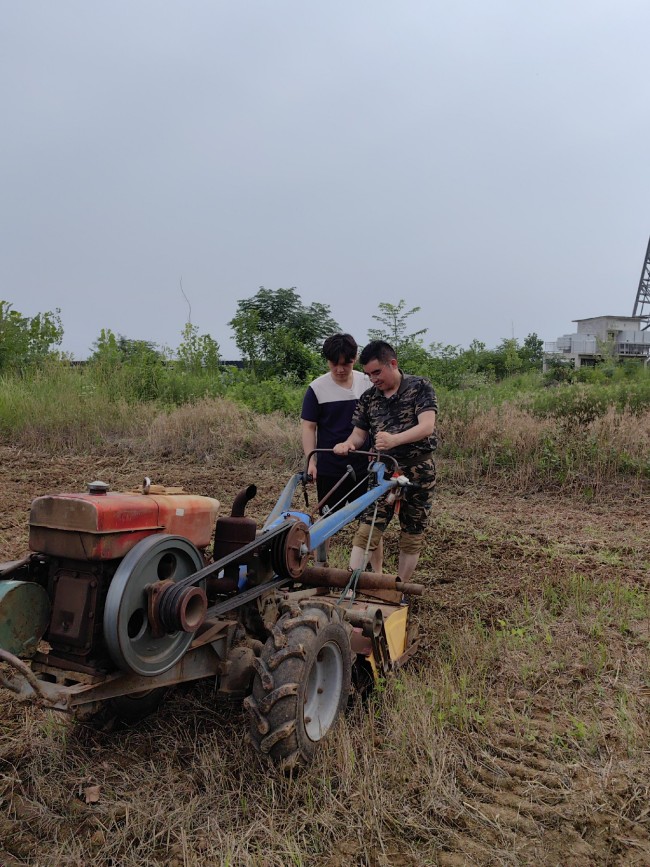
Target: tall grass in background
<point>510,443</point>
<point>63,407</point>
<point>57,408</point>
<point>534,433</point>
<point>516,430</point>
<point>167,385</point>
<point>148,380</point>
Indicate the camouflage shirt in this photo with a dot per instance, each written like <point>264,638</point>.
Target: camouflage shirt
<point>398,413</point>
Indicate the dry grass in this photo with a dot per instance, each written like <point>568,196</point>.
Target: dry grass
<point>518,735</point>
<point>525,451</point>
<point>213,429</point>
<point>571,446</point>
<point>183,789</point>
<point>504,743</point>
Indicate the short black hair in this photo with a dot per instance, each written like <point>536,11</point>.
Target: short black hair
<point>378,349</point>
<point>340,345</point>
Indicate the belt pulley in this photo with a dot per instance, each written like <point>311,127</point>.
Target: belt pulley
<point>289,553</point>
<point>157,600</point>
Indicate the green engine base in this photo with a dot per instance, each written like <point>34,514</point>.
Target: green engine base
<point>24,616</point>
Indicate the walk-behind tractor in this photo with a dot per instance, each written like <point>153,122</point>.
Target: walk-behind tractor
<point>118,601</point>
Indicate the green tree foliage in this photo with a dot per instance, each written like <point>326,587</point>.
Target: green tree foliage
<point>532,352</point>
<point>111,349</point>
<point>559,370</point>
<point>134,368</point>
<point>278,335</point>
<point>412,354</point>
<point>197,352</point>
<point>507,359</point>
<point>24,340</point>
<point>448,365</point>
<point>454,367</point>
<point>394,319</point>
<point>139,351</point>
<point>244,324</point>
<point>106,350</point>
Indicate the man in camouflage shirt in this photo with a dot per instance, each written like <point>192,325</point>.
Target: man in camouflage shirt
<point>399,412</point>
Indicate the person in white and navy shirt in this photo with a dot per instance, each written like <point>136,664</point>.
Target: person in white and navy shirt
<point>326,419</point>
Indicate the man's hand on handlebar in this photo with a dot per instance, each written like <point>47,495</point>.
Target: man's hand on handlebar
<point>343,449</point>
<point>385,440</point>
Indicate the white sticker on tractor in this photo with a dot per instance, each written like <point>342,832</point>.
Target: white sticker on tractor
<point>180,512</point>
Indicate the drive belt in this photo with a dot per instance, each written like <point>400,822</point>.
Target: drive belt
<point>251,547</point>
<point>247,596</point>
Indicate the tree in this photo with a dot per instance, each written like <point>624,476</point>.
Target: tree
<point>197,352</point>
<point>109,349</point>
<point>394,319</point>
<point>448,364</point>
<point>607,351</point>
<point>134,368</point>
<point>139,351</point>
<point>105,349</point>
<point>532,351</point>
<point>277,334</point>
<point>507,358</point>
<point>25,340</point>
<point>245,325</point>
<point>467,368</point>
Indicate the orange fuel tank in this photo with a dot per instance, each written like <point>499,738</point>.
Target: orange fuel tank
<point>105,525</point>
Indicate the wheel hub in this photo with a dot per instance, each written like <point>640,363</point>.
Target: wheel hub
<point>323,691</point>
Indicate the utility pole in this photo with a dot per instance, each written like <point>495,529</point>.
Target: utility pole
<point>642,303</point>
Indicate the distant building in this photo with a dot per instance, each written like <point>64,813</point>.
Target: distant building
<point>621,335</point>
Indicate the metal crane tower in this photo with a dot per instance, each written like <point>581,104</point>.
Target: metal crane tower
<point>642,303</point>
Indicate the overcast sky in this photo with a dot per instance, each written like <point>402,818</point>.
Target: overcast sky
<point>487,161</point>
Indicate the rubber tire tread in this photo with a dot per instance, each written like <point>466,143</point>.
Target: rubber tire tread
<point>277,728</point>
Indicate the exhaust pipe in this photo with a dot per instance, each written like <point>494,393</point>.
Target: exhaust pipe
<point>241,498</point>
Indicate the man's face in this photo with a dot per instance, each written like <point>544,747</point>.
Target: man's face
<point>340,369</point>
<point>383,374</point>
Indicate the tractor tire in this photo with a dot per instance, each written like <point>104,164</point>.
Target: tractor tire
<point>301,685</point>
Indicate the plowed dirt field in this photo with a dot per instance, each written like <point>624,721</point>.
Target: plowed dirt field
<point>518,736</point>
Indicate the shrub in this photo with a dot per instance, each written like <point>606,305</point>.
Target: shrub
<point>219,431</point>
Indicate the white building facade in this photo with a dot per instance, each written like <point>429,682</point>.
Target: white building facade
<point>621,336</point>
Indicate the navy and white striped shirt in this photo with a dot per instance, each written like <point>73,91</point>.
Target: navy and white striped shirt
<point>331,406</point>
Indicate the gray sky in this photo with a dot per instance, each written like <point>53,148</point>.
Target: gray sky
<point>487,161</point>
